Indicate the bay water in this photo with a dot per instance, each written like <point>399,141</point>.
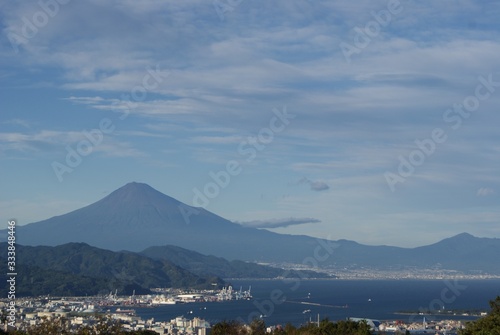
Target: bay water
<point>297,302</point>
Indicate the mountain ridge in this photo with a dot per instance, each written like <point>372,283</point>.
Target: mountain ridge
<point>204,265</point>
<point>136,217</point>
<point>61,270</point>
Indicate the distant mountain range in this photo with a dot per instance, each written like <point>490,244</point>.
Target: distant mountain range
<point>136,217</point>
<point>203,265</point>
<point>462,252</point>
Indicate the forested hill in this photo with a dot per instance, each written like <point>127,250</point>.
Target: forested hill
<point>80,269</point>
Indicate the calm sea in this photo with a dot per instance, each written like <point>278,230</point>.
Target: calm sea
<point>280,302</point>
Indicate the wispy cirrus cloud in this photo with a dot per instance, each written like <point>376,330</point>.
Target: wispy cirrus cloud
<point>56,142</point>
<point>18,122</point>
<point>278,223</point>
<point>484,192</point>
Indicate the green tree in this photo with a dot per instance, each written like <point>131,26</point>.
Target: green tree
<point>258,327</point>
<point>61,326</point>
<point>228,328</point>
<point>326,327</point>
<point>308,329</point>
<point>290,330</point>
<point>351,328</point>
<point>488,325</point>
<point>58,326</point>
<point>103,327</point>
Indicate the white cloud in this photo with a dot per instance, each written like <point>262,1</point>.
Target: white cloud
<point>233,140</point>
<point>278,223</point>
<point>55,143</point>
<point>484,192</point>
<point>18,122</point>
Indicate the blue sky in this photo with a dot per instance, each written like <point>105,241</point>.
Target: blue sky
<point>375,121</point>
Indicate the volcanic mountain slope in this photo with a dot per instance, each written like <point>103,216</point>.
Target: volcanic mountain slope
<point>136,216</point>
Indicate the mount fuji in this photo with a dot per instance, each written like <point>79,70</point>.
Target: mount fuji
<point>136,217</point>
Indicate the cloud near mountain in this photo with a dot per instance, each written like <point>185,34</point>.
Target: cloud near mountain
<point>315,185</point>
<point>278,223</point>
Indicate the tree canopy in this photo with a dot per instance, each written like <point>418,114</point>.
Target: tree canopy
<point>326,327</point>
<point>488,325</point>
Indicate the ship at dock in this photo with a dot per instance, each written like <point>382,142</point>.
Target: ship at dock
<point>164,300</point>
